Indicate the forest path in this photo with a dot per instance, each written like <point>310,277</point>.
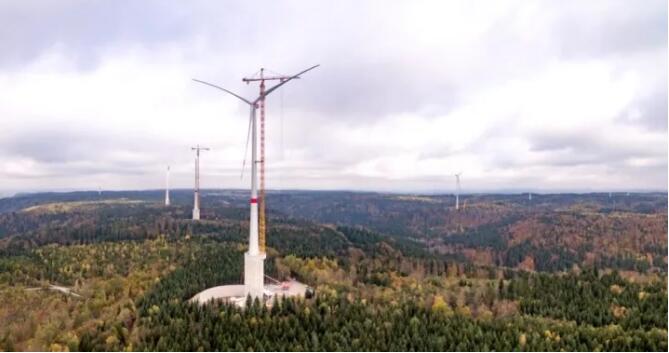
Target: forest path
<point>61,289</point>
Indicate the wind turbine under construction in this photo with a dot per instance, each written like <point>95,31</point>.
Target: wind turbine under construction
<point>196,196</point>
<point>255,257</point>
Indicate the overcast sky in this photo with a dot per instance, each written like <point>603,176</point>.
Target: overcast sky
<point>525,95</point>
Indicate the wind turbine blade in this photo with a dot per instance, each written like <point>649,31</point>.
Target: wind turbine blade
<point>246,149</point>
<point>271,89</point>
<point>224,90</point>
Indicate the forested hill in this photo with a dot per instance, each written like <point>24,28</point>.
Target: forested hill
<point>391,272</point>
<point>548,233</point>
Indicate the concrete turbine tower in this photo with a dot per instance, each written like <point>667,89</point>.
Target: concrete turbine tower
<point>196,196</point>
<point>457,190</point>
<point>254,259</point>
<point>167,186</point>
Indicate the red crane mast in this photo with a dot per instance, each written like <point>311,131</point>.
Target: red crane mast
<point>262,223</point>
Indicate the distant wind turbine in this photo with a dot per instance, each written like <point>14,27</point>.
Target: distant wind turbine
<point>167,186</point>
<point>457,190</point>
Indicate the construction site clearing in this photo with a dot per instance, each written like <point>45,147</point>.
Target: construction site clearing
<point>237,294</point>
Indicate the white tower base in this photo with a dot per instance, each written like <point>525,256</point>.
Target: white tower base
<point>254,275</point>
<point>196,214</point>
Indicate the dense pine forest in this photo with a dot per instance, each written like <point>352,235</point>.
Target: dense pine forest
<point>115,271</point>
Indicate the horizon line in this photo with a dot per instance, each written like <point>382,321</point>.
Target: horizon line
<point>508,191</point>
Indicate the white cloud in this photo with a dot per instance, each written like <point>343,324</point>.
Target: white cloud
<point>407,94</point>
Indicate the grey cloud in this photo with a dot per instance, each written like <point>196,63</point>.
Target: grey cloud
<point>66,169</point>
<point>81,28</point>
<point>52,144</point>
<point>586,148</point>
<point>356,84</point>
<point>437,152</point>
<point>371,91</point>
<point>611,27</point>
<point>652,110</point>
<point>62,151</point>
